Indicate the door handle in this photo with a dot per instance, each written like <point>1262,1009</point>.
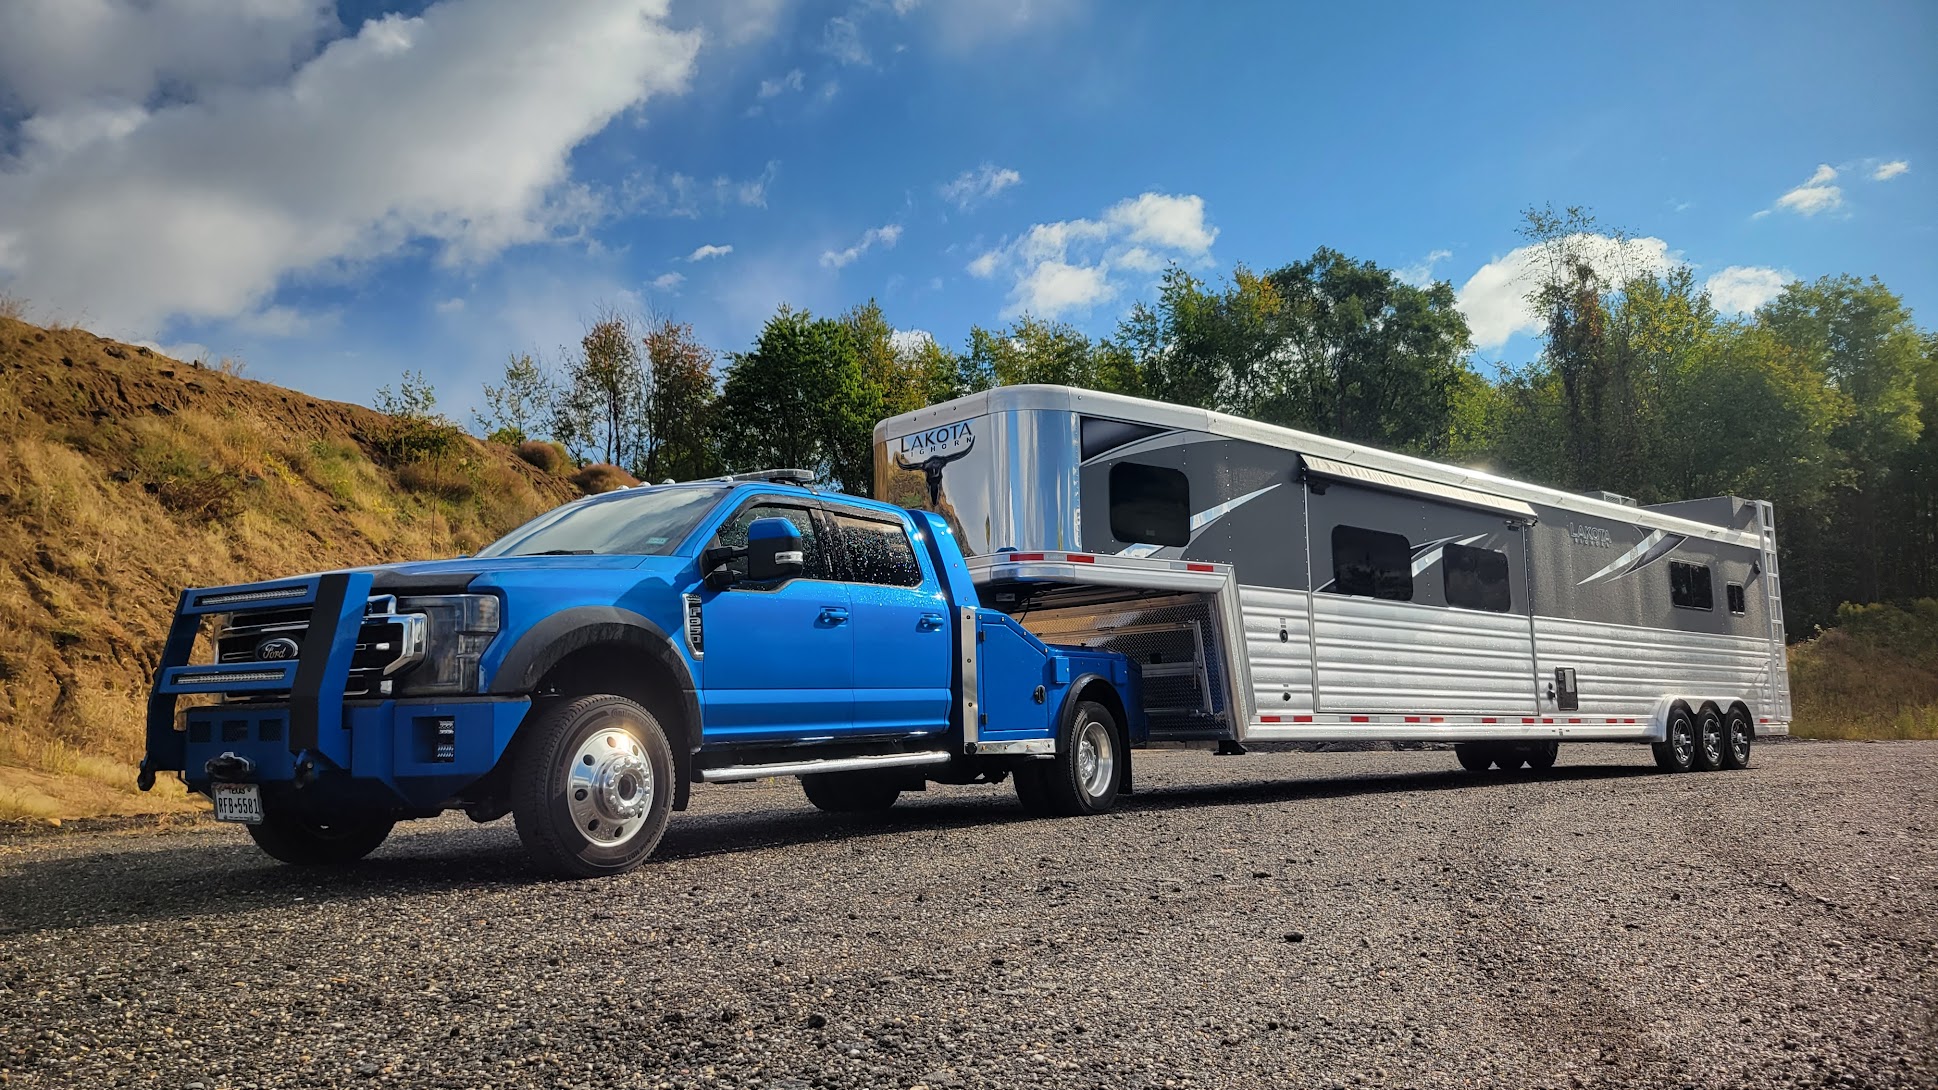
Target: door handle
<point>930,622</point>
<point>833,615</point>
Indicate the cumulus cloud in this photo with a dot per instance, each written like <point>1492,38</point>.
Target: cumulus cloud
<point>909,341</point>
<point>1813,196</point>
<point>704,252</point>
<point>884,236</point>
<point>841,39</point>
<point>1073,265</point>
<point>1740,289</point>
<point>668,281</point>
<point>1887,171</point>
<point>1420,273</point>
<point>972,187</point>
<point>200,204</point>
<point>1495,299</point>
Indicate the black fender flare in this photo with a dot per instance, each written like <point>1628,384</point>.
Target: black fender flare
<point>1080,685</point>
<point>547,643</point>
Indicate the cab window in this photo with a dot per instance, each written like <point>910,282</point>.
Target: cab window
<point>878,550</point>
<point>734,535</point>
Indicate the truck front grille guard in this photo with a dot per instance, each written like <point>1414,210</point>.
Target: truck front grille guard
<point>315,679</point>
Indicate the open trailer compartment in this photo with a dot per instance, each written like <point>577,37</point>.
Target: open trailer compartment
<point>1178,620</point>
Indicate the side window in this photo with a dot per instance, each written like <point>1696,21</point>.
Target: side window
<point>878,551</point>
<point>1734,592</point>
<point>734,533</point>
<point>1150,505</point>
<point>1690,587</point>
<point>1477,578</point>
<point>1372,564</point>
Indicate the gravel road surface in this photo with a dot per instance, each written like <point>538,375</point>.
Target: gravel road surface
<point>1273,920</point>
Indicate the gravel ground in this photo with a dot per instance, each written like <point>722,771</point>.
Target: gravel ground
<point>1275,920</point>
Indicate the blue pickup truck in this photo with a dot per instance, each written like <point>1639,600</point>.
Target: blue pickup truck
<point>582,673</point>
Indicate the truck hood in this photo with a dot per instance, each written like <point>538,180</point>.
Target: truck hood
<point>427,576</point>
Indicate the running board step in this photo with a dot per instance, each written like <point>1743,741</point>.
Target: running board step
<point>731,773</point>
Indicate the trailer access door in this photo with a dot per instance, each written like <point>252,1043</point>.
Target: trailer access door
<point>1178,620</point>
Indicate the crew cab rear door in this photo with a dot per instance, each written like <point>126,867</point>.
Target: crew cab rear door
<point>904,642</point>
<point>780,659</point>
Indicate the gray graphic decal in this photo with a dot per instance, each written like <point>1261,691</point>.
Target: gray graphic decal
<point>1199,521</point>
<point>1655,546</point>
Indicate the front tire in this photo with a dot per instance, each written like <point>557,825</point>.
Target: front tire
<point>593,787</point>
<point>1739,735</point>
<point>1677,750</point>
<point>300,841</point>
<point>1090,761</point>
<point>850,792</point>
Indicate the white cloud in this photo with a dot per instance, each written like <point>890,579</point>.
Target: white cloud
<point>452,305</point>
<point>770,88</point>
<point>1495,299</point>
<point>1072,265</point>
<point>1887,171</point>
<point>686,197</point>
<point>1814,196</point>
<point>885,236</point>
<point>709,250</point>
<point>199,206</point>
<point>965,25</point>
<point>1420,273</point>
<point>1740,289</point>
<point>668,281</point>
<point>972,187</point>
<point>842,41</point>
<point>909,341</point>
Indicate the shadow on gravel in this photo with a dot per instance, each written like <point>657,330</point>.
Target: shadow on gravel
<point>132,882</point>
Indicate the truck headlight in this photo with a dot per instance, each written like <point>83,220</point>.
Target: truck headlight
<point>460,627</point>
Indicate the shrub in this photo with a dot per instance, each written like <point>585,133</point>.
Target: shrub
<point>451,482</point>
<point>600,477</point>
<point>550,457</point>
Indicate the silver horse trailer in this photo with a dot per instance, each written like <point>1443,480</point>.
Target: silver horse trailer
<point>1280,586</point>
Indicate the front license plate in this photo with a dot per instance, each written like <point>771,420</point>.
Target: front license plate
<point>238,802</point>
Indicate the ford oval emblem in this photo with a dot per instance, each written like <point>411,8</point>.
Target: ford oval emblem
<point>278,649</point>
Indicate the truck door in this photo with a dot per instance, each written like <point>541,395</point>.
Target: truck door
<point>780,660</point>
<point>904,649</point>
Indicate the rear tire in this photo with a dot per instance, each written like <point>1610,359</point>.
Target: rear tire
<point>1473,756</point>
<point>1677,750</point>
<point>1712,739</point>
<point>1739,735</point>
<point>593,786</point>
<point>1090,761</point>
<point>299,841</point>
<point>1541,755</point>
<point>850,792</point>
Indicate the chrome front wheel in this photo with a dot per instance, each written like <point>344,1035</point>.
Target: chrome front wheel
<point>610,787</point>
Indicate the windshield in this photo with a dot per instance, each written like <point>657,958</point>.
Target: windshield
<point>636,522</point>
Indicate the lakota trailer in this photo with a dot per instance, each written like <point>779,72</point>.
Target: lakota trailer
<point>1318,590</point>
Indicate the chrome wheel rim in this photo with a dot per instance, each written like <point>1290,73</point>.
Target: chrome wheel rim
<point>1682,735</point>
<point>1096,758</point>
<point>609,788</point>
<point>1712,742</point>
<point>1739,741</point>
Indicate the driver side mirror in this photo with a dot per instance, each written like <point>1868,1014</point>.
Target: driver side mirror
<point>774,550</point>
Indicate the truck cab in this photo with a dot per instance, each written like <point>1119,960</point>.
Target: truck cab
<point>585,671</point>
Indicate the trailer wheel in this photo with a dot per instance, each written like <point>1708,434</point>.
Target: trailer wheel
<point>593,787</point>
<point>1741,734</point>
<point>1677,750</point>
<point>1509,758</point>
<point>1090,759</point>
<point>1473,756</point>
<point>850,792</point>
<point>298,840</point>
<point>1712,740</point>
<point>1541,755</point>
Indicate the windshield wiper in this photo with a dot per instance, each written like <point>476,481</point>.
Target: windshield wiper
<point>560,552</point>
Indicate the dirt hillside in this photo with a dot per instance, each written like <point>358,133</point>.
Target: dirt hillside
<point>126,475</point>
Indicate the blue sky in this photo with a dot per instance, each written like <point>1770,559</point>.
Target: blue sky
<point>336,193</point>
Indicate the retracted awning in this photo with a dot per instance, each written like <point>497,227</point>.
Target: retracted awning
<point>1395,482</point>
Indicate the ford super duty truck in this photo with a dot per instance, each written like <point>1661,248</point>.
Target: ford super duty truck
<point>582,673</point>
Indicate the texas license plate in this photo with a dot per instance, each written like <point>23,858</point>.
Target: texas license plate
<point>238,802</point>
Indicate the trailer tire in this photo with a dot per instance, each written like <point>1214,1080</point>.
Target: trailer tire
<point>1677,750</point>
<point>1712,739</point>
<point>850,792</point>
<point>1509,758</point>
<point>299,841</point>
<point>1473,756</point>
<point>1088,771</point>
<point>1541,755</point>
<point>1741,734</point>
<point>593,786</point>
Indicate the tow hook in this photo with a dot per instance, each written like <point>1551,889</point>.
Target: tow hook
<point>229,768</point>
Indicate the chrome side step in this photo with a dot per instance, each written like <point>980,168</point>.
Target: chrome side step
<point>732,773</point>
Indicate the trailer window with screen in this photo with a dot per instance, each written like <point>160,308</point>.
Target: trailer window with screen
<point>1372,564</point>
<point>1476,578</point>
<point>1734,592</point>
<point>1689,586</point>
<point>1149,505</point>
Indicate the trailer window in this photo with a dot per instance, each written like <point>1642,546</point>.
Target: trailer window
<point>1734,592</point>
<point>1476,578</point>
<point>878,551</point>
<point>1689,586</point>
<point>1372,563</point>
<point>1149,505</point>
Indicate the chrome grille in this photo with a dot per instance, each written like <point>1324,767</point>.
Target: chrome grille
<point>386,642</point>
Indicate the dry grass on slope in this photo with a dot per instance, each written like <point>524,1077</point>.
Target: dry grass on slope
<point>126,476</point>
<point>1874,676</point>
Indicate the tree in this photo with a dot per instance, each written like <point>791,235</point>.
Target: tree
<point>600,411</point>
<point>518,408</point>
<point>679,404</point>
<point>798,399</point>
